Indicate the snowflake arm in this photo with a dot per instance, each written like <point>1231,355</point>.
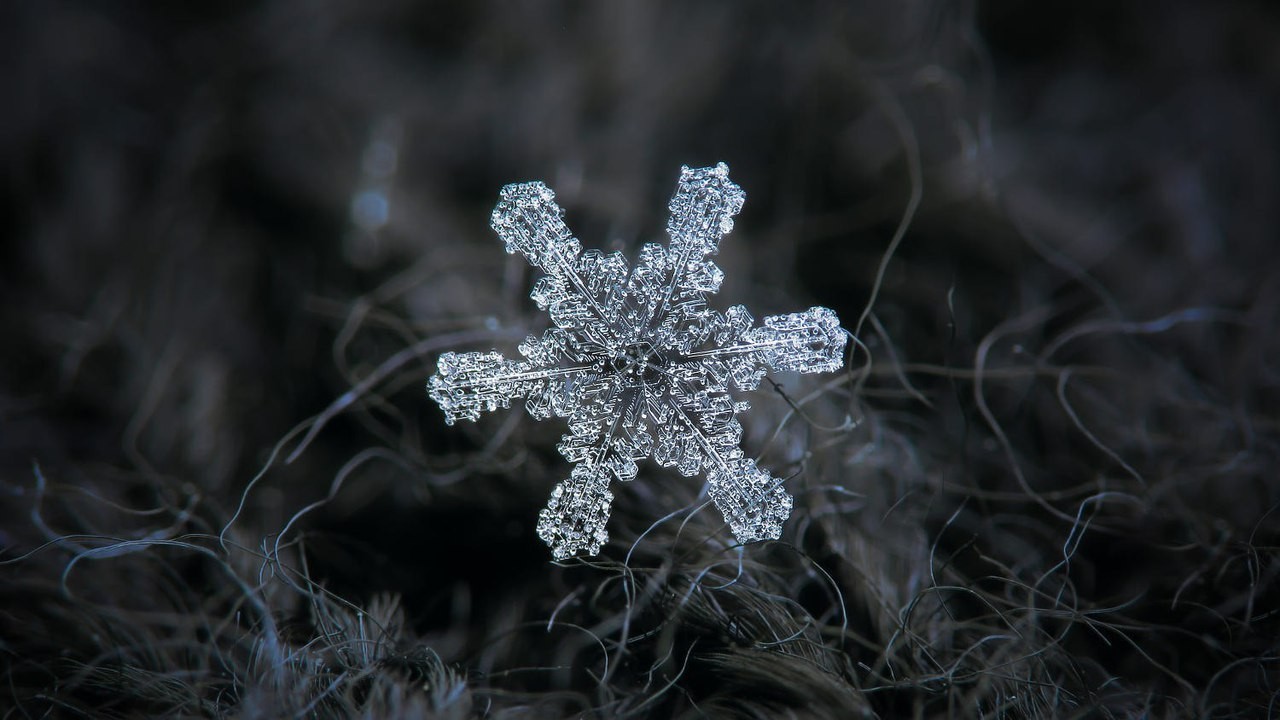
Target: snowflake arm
<point>466,384</point>
<point>674,280</point>
<point>579,290</point>
<point>705,434</point>
<point>575,517</point>
<point>637,362</point>
<point>702,211</point>
<point>805,342</point>
<point>607,435</point>
<point>551,378</point>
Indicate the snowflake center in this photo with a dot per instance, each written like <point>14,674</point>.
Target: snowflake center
<point>639,361</point>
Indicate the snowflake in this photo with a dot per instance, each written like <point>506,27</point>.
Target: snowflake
<point>638,363</point>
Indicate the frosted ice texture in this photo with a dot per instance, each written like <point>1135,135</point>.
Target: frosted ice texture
<point>637,362</point>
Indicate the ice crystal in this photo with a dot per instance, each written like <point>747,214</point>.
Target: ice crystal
<point>638,363</point>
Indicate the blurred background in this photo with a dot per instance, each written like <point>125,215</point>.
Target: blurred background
<point>1046,487</point>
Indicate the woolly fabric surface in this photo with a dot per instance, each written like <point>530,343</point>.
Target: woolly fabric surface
<point>240,236</point>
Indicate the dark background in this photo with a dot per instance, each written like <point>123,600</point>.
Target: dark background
<point>1052,492</point>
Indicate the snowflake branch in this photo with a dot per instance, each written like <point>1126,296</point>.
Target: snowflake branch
<point>529,221</point>
<point>751,501</point>
<point>806,342</point>
<point>466,384</point>
<point>702,211</point>
<point>575,517</point>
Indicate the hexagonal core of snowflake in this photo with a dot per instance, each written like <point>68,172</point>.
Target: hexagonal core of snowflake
<point>637,362</point>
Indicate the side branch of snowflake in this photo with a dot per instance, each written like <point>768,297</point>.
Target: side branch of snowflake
<point>638,363</point>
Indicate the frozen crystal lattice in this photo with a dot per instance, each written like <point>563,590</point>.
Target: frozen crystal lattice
<point>638,363</point>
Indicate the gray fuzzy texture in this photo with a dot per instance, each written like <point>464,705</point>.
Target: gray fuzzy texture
<point>240,234</point>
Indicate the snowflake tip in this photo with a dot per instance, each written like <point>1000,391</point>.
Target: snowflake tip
<point>702,208</point>
<point>529,221</point>
<point>575,517</point>
<point>809,342</point>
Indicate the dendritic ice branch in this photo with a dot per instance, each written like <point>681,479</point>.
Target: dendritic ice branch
<point>637,362</point>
